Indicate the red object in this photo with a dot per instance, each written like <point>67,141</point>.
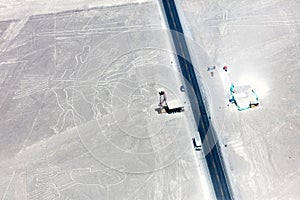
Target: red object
<point>225,68</point>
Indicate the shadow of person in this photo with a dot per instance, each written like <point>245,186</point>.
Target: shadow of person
<point>158,110</point>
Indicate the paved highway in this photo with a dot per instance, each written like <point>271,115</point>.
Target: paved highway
<point>212,154</point>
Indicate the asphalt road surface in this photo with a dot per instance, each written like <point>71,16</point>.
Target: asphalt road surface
<point>207,134</point>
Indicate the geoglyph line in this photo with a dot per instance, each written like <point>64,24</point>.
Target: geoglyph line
<point>31,84</point>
